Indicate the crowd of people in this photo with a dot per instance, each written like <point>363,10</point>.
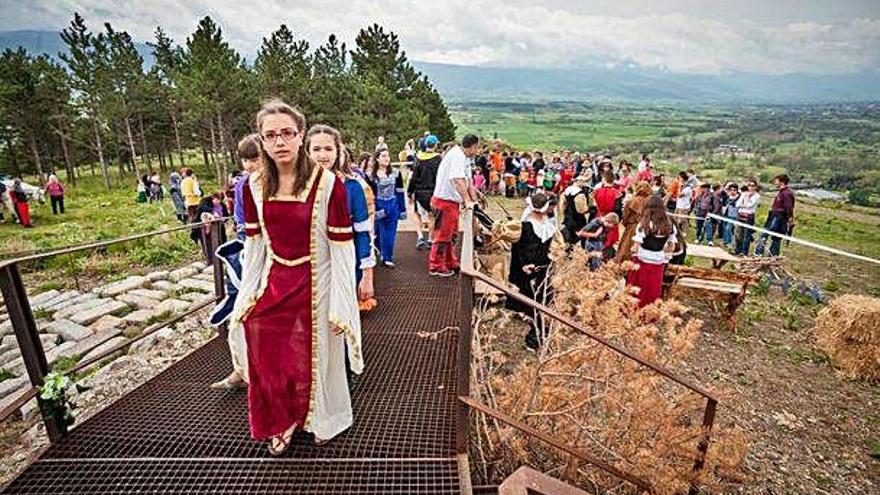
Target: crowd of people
<point>619,213</point>
<point>15,196</point>
<point>312,226</point>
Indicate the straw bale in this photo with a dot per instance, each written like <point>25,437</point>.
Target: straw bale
<point>848,330</point>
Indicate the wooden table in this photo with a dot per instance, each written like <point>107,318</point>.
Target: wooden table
<point>719,256</point>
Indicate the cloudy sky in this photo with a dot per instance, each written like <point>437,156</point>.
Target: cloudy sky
<point>690,36</point>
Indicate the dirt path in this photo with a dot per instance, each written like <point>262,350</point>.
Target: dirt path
<point>810,429</point>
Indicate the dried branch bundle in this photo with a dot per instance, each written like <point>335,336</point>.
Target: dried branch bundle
<point>594,398</point>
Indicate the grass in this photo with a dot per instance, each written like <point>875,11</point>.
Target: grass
<point>65,363</point>
<point>5,375</point>
<point>580,126</point>
<point>95,214</point>
<point>873,448</point>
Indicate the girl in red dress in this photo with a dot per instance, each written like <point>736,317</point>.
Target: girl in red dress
<point>297,301</point>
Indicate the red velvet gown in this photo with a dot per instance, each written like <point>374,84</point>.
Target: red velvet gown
<point>279,328</point>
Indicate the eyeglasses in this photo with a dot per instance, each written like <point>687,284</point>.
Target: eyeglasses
<point>287,134</point>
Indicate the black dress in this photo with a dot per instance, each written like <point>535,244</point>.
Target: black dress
<point>530,250</point>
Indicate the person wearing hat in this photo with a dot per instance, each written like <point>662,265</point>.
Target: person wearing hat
<point>421,188</point>
<point>575,208</point>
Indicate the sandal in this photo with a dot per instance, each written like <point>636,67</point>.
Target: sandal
<point>230,383</point>
<point>283,442</point>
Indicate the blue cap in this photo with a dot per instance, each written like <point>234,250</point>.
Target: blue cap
<point>431,140</point>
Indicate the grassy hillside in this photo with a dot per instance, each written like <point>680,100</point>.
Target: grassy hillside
<point>95,214</point>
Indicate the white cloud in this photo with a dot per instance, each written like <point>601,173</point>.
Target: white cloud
<point>691,37</point>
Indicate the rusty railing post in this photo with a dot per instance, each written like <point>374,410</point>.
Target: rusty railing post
<point>703,446</point>
<point>28,337</point>
<point>219,279</point>
<point>465,335</point>
<point>465,332</point>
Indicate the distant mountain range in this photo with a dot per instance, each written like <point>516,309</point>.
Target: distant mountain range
<point>50,43</point>
<point>459,83</point>
<point>598,84</point>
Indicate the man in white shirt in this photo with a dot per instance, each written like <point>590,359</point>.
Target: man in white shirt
<point>683,203</point>
<point>453,189</point>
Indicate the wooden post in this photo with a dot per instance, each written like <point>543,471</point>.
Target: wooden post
<point>27,335</point>
<point>219,281</point>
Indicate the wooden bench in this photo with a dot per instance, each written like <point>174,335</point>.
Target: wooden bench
<point>728,288</point>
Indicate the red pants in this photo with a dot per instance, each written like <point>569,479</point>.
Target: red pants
<point>24,213</point>
<point>443,258</point>
<point>649,279</point>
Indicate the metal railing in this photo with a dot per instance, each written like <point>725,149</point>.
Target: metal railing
<point>469,275</point>
<point>27,334</point>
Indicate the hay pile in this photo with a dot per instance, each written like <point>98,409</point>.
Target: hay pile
<point>848,330</point>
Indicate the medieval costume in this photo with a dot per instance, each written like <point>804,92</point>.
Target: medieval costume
<point>298,283</point>
<point>575,208</point>
<point>632,215</point>
<point>532,247</point>
<point>362,212</point>
<point>390,208</point>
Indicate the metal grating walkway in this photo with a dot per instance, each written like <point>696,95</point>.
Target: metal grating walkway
<point>175,435</point>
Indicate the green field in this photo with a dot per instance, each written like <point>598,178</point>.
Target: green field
<point>821,143</point>
<point>586,127</point>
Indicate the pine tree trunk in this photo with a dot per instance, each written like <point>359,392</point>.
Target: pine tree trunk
<point>177,137</point>
<point>205,156</point>
<point>105,170</point>
<point>121,163</point>
<point>214,150</point>
<point>146,154</point>
<point>223,150</point>
<point>38,164</point>
<point>131,147</point>
<point>68,163</point>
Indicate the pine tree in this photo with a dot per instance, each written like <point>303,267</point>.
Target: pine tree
<point>125,73</point>
<point>282,68</point>
<point>396,101</point>
<point>333,88</point>
<point>166,73</point>
<point>88,79</point>
<point>21,102</point>
<point>213,83</point>
<point>53,91</point>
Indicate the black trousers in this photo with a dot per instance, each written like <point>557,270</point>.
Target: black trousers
<point>57,204</point>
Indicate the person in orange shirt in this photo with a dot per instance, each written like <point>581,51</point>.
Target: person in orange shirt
<point>672,194</point>
<point>497,161</point>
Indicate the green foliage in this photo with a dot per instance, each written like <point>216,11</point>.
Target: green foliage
<point>761,288</point>
<point>860,197</point>
<point>5,374</point>
<point>831,285</point>
<point>53,400</point>
<point>873,448</point>
<point>65,363</point>
<point>102,108</point>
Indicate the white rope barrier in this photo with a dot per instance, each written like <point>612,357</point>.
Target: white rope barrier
<point>784,237</point>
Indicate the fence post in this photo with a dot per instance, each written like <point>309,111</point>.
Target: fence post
<point>28,337</point>
<point>703,446</point>
<point>465,335</point>
<point>219,280</point>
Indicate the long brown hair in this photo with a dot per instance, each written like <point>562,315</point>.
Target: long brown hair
<point>302,168</point>
<point>389,170</point>
<point>340,164</point>
<point>654,219</point>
